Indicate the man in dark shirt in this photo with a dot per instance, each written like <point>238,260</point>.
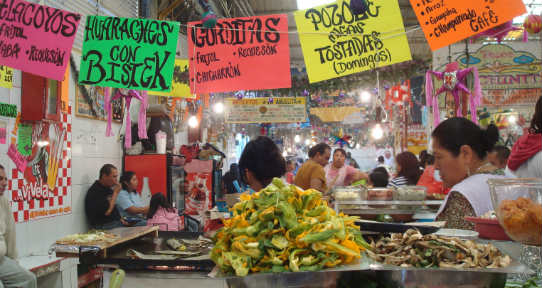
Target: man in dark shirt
<point>100,200</point>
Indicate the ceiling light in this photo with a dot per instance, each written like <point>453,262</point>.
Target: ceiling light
<point>218,108</point>
<point>193,122</point>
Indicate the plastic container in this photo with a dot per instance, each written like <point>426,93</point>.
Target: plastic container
<point>410,193</point>
<point>518,205</point>
<point>488,228</point>
<point>161,142</point>
<point>349,193</point>
<point>424,217</point>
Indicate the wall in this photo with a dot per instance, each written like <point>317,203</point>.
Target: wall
<point>90,150</point>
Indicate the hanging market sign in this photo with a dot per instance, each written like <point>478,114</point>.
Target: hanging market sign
<point>334,114</point>
<point>335,42</point>
<point>6,76</point>
<point>36,38</point>
<point>179,87</point>
<point>445,22</point>
<point>8,110</point>
<point>129,53</point>
<point>265,110</point>
<point>24,141</point>
<point>509,74</point>
<point>250,53</point>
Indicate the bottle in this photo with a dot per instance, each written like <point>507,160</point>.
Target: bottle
<point>146,191</point>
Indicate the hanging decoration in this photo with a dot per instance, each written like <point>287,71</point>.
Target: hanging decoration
<point>208,17</point>
<point>455,80</point>
<point>532,24</point>
<point>128,96</point>
<point>499,32</point>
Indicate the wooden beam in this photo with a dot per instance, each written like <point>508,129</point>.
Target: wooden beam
<point>162,14</point>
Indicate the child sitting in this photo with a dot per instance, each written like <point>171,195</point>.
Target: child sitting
<point>163,215</point>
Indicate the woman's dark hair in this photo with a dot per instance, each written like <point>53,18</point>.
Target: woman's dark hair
<point>125,179</point>
<point>381,170</point>
<point>379,179</point>
<point>426,159</point>
<point>319,148</point>
<point>456,132</point>
<point>536,122</point>
<point>341,150</point>
<point>158,200</point>
<point>380,159</point>
<point>410,167</point>
<point>263,158</point>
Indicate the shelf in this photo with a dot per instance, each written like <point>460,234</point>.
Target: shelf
<point>370,202</point>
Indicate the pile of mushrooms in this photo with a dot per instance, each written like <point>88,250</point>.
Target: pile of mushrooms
<point>412,249</point>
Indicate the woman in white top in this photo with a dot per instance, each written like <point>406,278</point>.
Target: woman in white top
<point>460,148</point>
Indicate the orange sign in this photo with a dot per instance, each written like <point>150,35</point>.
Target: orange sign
<point>448,21</point>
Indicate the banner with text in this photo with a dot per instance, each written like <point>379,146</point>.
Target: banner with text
<point>336,42</point>
<point>35,38</point>
<point>448,21</point>
<point>180,87</point>
<point>250,53</point>
<point>510,74</point>
<point>265,110</point>
<point>6,76</point>
<point>129,53</point>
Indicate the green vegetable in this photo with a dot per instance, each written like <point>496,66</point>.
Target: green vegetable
<point>249,230</point>
<point>278,269</point>
<point>384,218</point>
<point>319,236</point>
<point>289,217</point>
<point>279,241</point>
<point>294,259</point>
<point>341,249</point>
<point>238,262</point>
<point>317,211</point>
<point>309,260</point>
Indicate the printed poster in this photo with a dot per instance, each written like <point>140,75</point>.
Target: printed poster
<point>336,43</point>
<point>36,39</point>
<point>445,22</point>
<point>265,110</point>
<point>239,54</point>
<point>129,53</point>
<point>180,88</point>
<point>6,76</point>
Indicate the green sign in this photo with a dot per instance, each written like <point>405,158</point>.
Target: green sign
<point>8,110</point>
<point>129,53</point>
<point>24,143</point>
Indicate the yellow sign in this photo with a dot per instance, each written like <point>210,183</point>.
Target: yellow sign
<point>6,76</point>
<point>336,43</point>
<point>265,110</point>
<point>334,114</point>
<point>179,87</point>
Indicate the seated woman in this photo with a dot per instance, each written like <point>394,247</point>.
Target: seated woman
<point>339,174</point>
<point>129,203</point>
<point>260,162</point>
<point>408,170</point>
<point>164,216</point>
<point>460,148</point>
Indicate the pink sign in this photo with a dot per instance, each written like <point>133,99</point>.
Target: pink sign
<point>35,38</point>
<point>17,158</point>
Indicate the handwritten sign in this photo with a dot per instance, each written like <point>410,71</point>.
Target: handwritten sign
<point>3,132</point>
<point>19,160</point>
<point>36,38</point>
<point>24,142</point>
<point>8,110</point>
<point>6,76</point>
<point>180,87</point>
<point>239,54</point>
<point>265,110</point>
<point>129,53</point>
<point>336,43</point>
<point>448,21</point>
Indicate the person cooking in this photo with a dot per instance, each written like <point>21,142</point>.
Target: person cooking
<point>260,162</point>
<point>460,148</point>
<point>129,203</point>
<point>339,174</point>
<point>312,174</point>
